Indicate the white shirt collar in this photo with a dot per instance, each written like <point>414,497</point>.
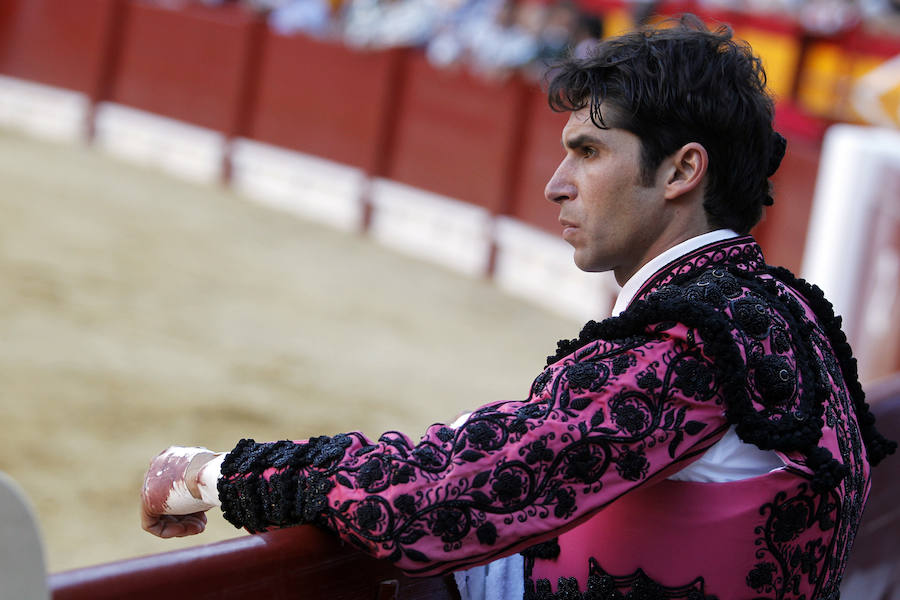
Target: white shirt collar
<point>634,283</point>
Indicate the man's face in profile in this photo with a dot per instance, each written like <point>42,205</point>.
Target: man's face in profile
<point>608,214</point>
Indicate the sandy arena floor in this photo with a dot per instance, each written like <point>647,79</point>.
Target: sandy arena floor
<point>137,311</point>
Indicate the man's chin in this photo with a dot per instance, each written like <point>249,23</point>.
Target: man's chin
<point>589,266</point>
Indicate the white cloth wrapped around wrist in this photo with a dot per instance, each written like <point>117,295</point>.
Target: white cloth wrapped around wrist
<point>180,501</point>
<point>208,481</point>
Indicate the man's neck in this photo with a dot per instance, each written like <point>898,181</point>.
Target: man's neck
<point>686,220</point>
<point>634,283</point>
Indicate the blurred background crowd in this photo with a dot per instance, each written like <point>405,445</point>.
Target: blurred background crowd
<point>492,37</point>
<point>496,37</point>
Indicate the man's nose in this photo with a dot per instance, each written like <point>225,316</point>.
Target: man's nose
<point>560,186</point>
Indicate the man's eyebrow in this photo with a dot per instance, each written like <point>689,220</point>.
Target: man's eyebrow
<point>581,140</point>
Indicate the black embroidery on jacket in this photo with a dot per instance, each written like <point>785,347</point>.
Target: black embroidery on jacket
<point>603,586</point>
<point>877,446</point>
<point>286,499</point>
<point>548,550</point>
<point>742,252</point>
<point>855,449</point>
<point>797,371</point>
<point>774,412</point>
<point>794,544</point>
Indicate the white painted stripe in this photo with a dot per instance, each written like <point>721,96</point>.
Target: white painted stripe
<point>184,150</point>
<point>309,186</point>
<point>42,111</point>
<point>433,227</point>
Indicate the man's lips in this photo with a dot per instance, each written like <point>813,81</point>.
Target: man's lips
<point>569,228</point>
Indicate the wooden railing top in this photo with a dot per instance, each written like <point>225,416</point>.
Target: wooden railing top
<point>299,562</point>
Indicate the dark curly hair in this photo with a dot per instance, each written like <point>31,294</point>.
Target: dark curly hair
<point>680,84</point>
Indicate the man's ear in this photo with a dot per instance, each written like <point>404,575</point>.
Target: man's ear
<point>687,170</point>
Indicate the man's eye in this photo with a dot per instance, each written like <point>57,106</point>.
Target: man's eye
<point>587,151</point>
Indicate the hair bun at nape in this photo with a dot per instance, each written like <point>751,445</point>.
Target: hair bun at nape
<point>779,145</point>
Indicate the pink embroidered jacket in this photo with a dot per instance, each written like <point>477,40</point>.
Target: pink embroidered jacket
<point>576,474</point>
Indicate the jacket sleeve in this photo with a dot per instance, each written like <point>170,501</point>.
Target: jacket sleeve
<point>607,418</point>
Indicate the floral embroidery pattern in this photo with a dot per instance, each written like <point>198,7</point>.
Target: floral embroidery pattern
<point>742,252</point>
<point>793,545</point>
<point>603,586</point>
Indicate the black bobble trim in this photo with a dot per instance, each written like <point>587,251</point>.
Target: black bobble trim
<point>779,146</point>
<point>297,495</point>
<point>877,446</point>
<point>827,471</point>
<point>548,550</point>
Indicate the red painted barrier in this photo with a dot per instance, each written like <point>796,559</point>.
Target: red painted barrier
<point>782,232</point>
<point>296,563</point>
<point>191,64</point>
<point>57,42</point>
<point>326,99</point>
<point>542,152</point>
<point>873,44</point>
<point>457,134</point>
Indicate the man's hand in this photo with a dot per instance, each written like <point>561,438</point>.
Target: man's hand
<point>169,526</point>
<point>171,504</point>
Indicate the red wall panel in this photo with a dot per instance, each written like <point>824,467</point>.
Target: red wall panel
<point>189,64</point>
<point>325,99</point>
<point>457,134</point>
<point>57,42</point>
<point>782,232</point>
<point>542,152</point>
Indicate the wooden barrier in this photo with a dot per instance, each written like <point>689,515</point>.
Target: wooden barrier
<point>542,152</point>
<point>488,143</point>
<point>300,562</point>
<point>458,135</point>
<point>191,64</point>
<point>325,99</point>
<point>782,232</point>
<point>823,74</point>
<point>58,42</point>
